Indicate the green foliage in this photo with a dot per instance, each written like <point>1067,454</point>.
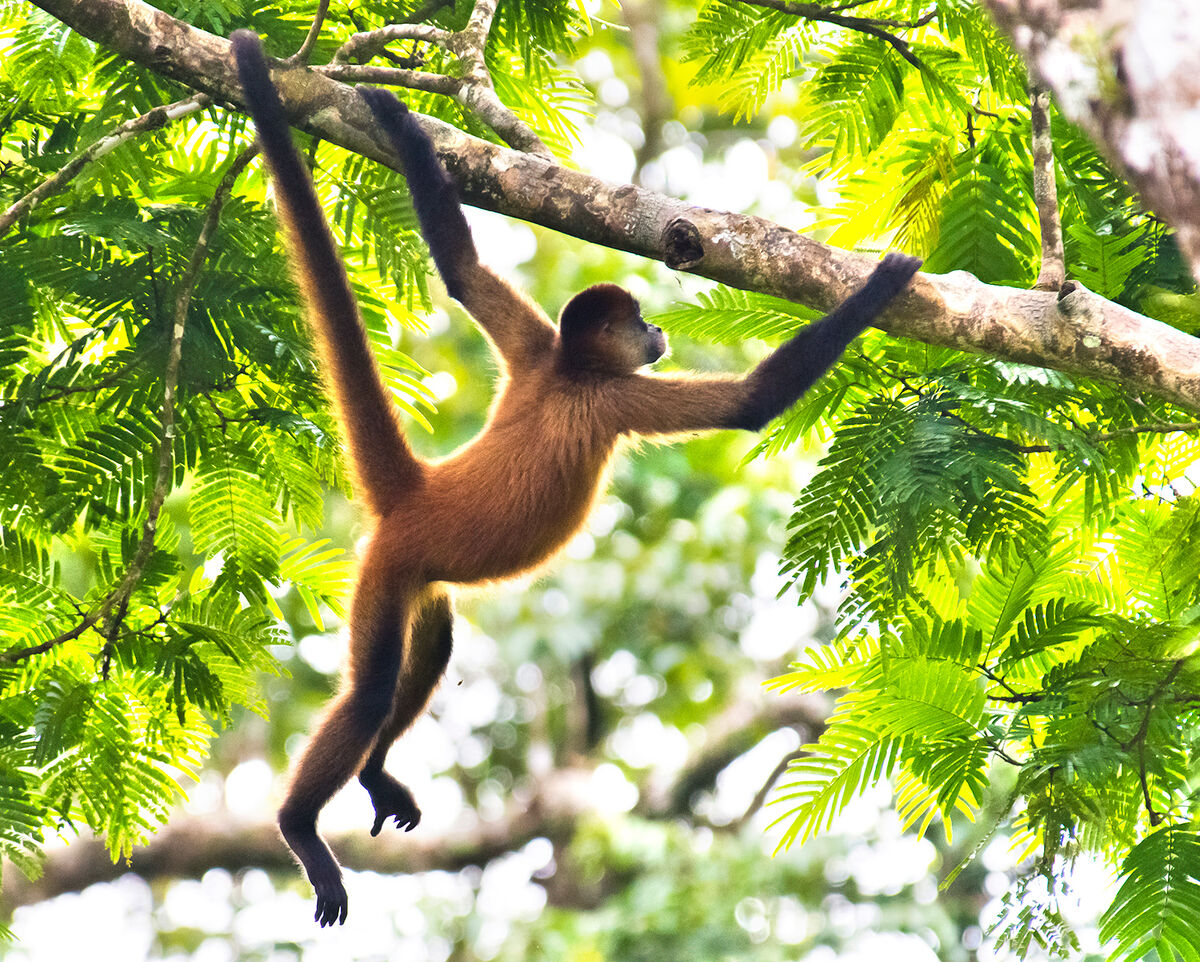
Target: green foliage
<point>131,629</point>
<point>1017,552</point>
<point>1021,590</point>
<point>1019,606</point>
<point>122,651</point>
<point>1157,908</point>
<point>1017,548</point>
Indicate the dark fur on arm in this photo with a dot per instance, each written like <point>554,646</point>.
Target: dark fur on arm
<point>433,195</point>
<point>782,377</point>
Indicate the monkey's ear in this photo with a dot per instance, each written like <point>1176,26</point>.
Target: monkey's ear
<point>592,308</point>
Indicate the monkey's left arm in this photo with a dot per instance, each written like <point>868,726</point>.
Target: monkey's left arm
<point>517,326</point>
<point>663,405</point>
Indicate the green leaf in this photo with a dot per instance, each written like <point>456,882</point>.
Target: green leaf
<point>846,760</point>
<point>1157,907</point>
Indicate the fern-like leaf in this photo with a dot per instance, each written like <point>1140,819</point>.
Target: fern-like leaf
<point>848,759</point>
<point>1157,908</point>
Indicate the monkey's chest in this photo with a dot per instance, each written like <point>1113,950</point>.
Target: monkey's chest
<point>501,513</point>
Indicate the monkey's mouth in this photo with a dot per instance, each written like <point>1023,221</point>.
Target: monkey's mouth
<point>656,347</point>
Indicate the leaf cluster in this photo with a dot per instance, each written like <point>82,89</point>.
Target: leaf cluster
<point>1016,550</point>
<point>1015,546</point>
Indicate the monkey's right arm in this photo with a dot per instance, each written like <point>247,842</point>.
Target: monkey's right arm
<point>653,405</point>
<point>519,329</point>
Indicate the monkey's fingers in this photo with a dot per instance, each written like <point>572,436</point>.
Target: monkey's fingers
<point>407,820</point>
<point>332,904</point>
<point>330,911</point>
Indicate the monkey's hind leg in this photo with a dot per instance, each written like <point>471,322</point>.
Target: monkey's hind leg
<point>380,618</point>
<point>425,660</point>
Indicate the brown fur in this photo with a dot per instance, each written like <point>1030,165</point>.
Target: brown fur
<point>504,503</point>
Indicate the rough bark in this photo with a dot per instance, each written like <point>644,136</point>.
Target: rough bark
<point>1125,71</point>
<point>1079,333</point>
<point>1053,269</point>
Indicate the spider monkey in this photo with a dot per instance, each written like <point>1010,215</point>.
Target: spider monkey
<point>508,500</point>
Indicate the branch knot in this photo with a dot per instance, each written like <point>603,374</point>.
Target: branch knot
<point>682,245</point>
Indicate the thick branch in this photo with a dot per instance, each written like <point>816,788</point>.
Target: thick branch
<point>1076,331</point>
<point>1125,71</point>
<point>188,847</point>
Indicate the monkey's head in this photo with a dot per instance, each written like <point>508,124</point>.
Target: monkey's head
<point>602,330</point>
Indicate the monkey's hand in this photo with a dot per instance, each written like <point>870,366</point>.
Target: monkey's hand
<point>891,275</point>
<point>391,800</point>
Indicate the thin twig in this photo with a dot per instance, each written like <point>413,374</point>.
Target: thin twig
<point>814,11</point>
<point>1158,427</point>
<point>434,83</point>
<point>1166,427</point>
<point>118,599</point>
<point>760,797</point>
<point>151,120</point>
<point>1156,817</point>
<point>363,46</point>
<point>875,28</point>
<point>301,56</point>
<point>474,90</point>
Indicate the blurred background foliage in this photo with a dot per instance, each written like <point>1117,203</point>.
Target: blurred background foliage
<point>996,561</point>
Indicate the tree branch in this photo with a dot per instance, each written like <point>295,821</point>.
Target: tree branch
<point>314,31</point>
<point>642,17</point>
<point>151,120</point>
<point>1073,331</point>
<point>1053,269</point>
<point>557,803</point>
<point>434,83</point>
<point>760,797</point>
<point>362,46</point>
<point>872,27</point>
<point>1125,71</point>
<point>474,90</point>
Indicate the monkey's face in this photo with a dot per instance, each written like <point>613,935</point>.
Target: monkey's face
<point>603,330</point>
<point>654,341</point>
<point>626,342</point>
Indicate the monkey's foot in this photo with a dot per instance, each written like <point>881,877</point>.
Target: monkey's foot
<point>332,901</point>
<point>391,800</point>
